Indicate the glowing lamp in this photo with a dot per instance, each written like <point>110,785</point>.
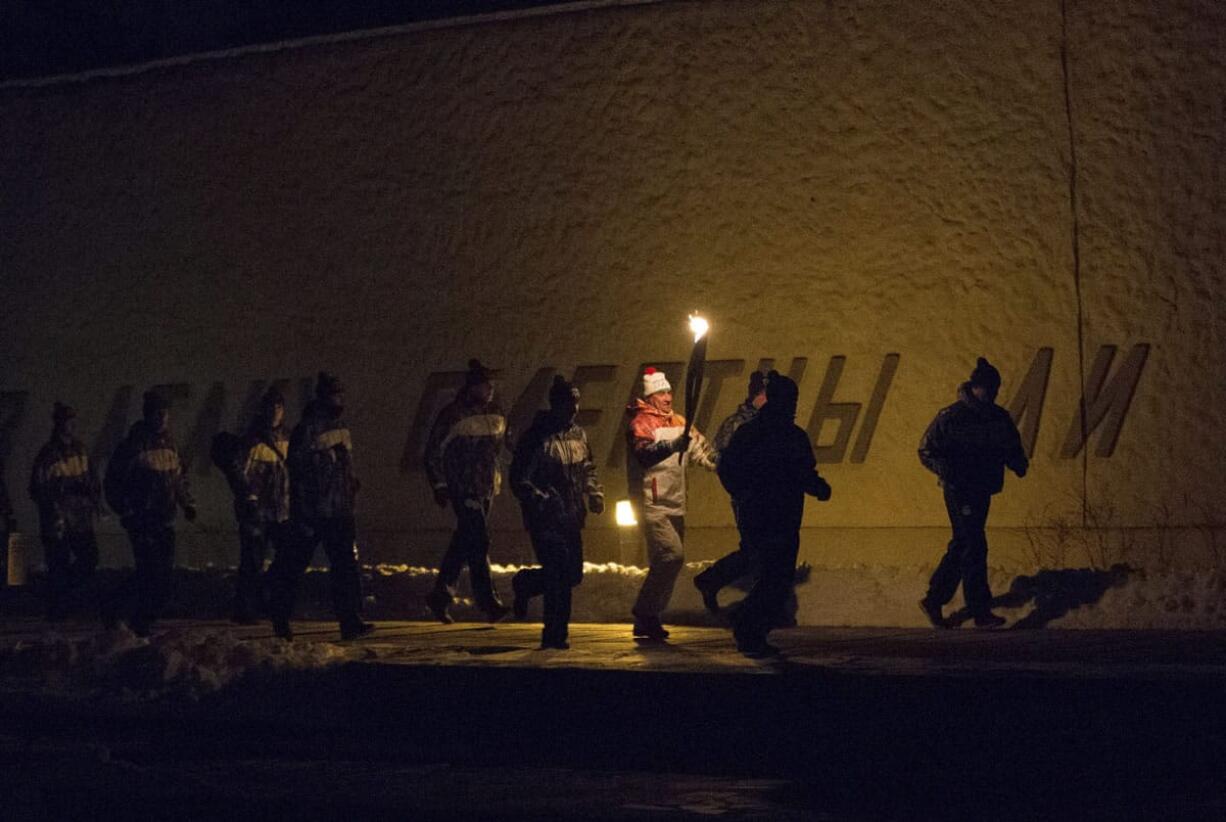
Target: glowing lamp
<point>624,514</point>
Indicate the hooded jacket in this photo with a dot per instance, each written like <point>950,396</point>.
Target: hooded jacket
<point>768,467</point>
<point>145,479</point>
<point>463,448</point>
<point>969,444</point>
<point>65,488</point>
<point>320,462</point>
<point>743,414</point>
<point>656,482</point>
<point>260,474</point>
<point>553,473</point>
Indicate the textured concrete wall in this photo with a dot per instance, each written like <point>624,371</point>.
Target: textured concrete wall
<point>823,179</point>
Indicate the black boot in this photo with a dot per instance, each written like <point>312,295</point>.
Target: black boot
<point>438,601</point>
<point>649,628</point>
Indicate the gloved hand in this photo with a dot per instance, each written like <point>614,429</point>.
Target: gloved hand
<point>681,444</point>
<point>441,497</point>
<point>542,500</point>
<point>595,503</point>
<point>189,513</point>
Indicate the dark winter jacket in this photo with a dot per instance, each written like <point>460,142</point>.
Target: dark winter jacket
<point>65,488</point>
<point>743,414</point>
<point>6,509</point>
<point>768,467</point>
<point>145,479</point>
<point>969,444</point>
<point>553,474</point>
<point>260,475</point>
<point>463,448</point>
<point>322,482</point>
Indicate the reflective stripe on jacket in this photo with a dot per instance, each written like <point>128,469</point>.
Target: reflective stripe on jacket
<point>463,449</point>
<point>63,485</point>
<point>145,478</point>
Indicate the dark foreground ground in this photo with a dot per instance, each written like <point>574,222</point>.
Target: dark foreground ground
<point>472,722</point>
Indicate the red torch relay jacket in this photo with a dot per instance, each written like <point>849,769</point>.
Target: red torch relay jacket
<point>656,477</point>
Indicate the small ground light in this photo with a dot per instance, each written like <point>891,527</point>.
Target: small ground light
<point>624,513</point>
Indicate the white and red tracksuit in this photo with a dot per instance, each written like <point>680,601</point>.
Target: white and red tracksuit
<point>657,492</point>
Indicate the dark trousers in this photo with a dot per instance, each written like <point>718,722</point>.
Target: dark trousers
<point>775,558</point>
<point>559,549</point>
<point>144,592</point>
<point>966,557</point>
<point>726,570</point>
<point>255,537</point>
<point>470,545</point>
<point>71,561</point>
<point>294,555</point>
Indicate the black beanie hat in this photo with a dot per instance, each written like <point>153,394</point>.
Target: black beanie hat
<point>757,383</point>
<point>781,390</point>
<point>61,413</point>
<point>986,375</point>
<point>154,401</point>
<point>561,391</point>
<point>477,374</point>
<point>272,398</point>
<point>327,384</point>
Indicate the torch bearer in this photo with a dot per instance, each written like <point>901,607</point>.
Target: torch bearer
<point>693,374</point>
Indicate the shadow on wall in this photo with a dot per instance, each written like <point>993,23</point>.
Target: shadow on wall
<point>1055,593</point>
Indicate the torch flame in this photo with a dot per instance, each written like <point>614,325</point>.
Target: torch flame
<point>699,326</point>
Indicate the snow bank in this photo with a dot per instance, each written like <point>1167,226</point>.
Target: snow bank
<point>862,595</point>
<point>173,663</point>
<point>1119,597</point>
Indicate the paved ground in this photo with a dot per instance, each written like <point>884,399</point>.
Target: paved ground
<point>851,724</point>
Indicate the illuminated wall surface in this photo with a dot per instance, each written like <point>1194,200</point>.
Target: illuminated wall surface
<point>868,194</point>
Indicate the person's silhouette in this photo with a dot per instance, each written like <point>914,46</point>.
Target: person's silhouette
<point>968,445</point>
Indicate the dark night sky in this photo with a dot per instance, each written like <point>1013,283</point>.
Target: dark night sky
<point>47,37</point>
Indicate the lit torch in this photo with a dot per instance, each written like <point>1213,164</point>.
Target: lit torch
<point>693,374</point>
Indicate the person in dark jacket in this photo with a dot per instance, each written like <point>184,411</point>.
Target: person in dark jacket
<point>259,477</point>
<point>66,490</point>
<point>968,446</point>
<point>323,490</point>
<point>728,569</point>
<point>554,479</point>
<point>8,525</point>
<point>462,466</point>
<point>768,468</point>
<point>145,485</point>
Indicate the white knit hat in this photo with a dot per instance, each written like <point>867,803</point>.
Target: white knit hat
<point>654,382</point>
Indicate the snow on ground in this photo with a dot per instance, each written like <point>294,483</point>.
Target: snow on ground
<point>1120,597</point>
<point>186,664</point>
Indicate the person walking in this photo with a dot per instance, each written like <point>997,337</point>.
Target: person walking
<point>462,455</point>
<point>768,468</point>
<point>323,490</point>
<point>258,472</point>
<point>67,493</point>
<point>8,526</point>
<point>968,445</point>
<point>731,567</point>
<point>146,485</point>
<point>657,489</point>
<point>554,479</point>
